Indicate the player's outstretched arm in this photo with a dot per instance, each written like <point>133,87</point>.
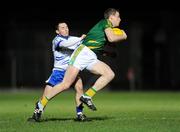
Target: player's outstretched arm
<point>72,41</point>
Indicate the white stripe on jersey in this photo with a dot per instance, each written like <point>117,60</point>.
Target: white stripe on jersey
<point>61,58</point>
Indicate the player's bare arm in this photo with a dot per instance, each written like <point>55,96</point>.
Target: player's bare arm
<point>83,36</point>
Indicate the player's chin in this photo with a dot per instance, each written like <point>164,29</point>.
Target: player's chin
<point>118,24</point>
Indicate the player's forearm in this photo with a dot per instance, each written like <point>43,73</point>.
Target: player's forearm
<point>113,37</point>
<point>120,37</point>
<point>116,38</point>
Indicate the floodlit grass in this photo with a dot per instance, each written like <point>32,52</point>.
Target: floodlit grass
<point>117,112</point>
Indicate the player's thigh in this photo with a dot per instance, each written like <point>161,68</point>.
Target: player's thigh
<point>101,68</point>
<point>70,75</point>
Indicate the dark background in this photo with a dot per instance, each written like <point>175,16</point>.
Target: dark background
<point>147,60</point>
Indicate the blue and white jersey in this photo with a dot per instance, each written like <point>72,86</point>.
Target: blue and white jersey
<point>62,48</point>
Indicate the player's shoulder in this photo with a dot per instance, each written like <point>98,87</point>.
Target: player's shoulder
<point>61,37</point>
<point>58,38</point>
<point>104,23</point>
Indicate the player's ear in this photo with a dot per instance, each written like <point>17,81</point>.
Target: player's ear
<point>57,31</point>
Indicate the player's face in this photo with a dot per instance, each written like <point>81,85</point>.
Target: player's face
<point>63,29</point>
<point>115,19</point>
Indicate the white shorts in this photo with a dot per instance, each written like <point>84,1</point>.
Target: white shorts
<point>83,57</point>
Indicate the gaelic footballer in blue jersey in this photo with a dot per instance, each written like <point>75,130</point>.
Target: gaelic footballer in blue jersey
<point>62,46</point>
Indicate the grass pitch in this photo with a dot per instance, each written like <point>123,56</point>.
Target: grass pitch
<point>117,112</point>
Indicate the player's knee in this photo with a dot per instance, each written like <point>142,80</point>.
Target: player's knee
<point>110,75</point>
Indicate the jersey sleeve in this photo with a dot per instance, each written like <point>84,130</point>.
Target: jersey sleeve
<point>56,42</point>
<point>70,42</point>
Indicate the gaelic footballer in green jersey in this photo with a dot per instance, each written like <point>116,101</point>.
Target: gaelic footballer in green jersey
<point>84,57</point>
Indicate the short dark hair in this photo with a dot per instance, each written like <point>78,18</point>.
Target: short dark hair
<point>60,22</point>
<point>110,11</point>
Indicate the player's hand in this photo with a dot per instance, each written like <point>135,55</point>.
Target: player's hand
<point>83,36</point>
<point>124,34</point>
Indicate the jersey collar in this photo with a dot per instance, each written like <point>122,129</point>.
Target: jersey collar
<point>109,22</point>
<point>65,37</point>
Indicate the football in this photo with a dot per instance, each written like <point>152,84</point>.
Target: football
<point>117,31</point>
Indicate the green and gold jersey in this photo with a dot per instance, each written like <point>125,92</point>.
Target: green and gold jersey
<point>96,37</point>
